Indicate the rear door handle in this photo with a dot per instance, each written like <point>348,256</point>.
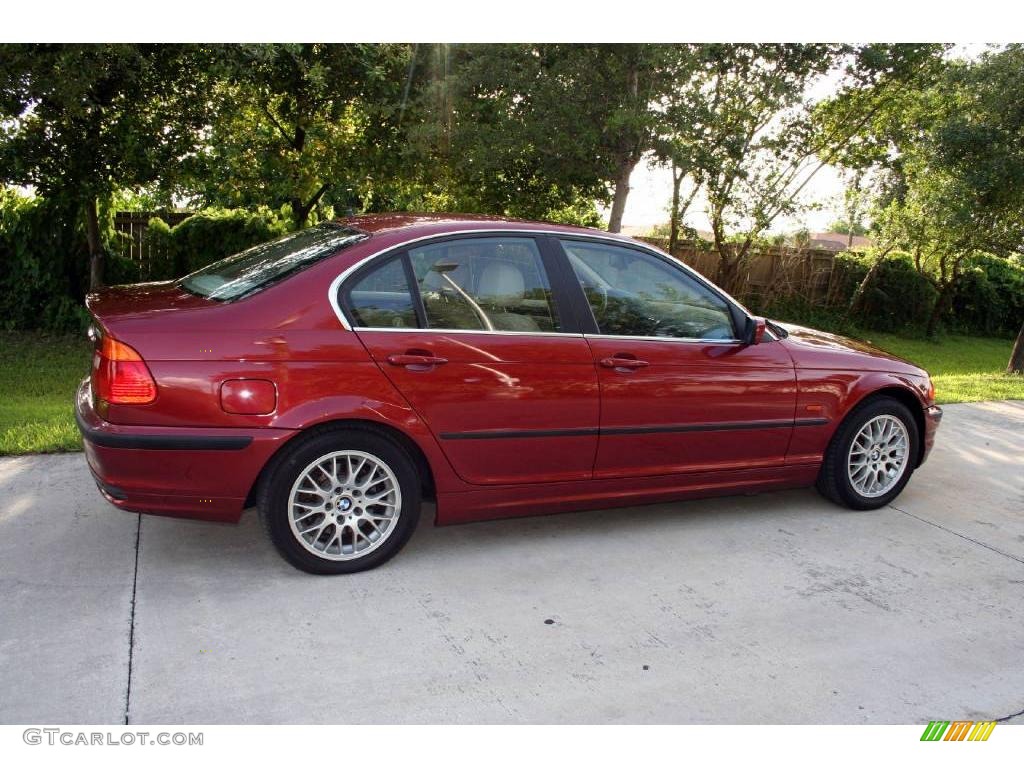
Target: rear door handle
<point>628,363</point>
<point>416,359</point>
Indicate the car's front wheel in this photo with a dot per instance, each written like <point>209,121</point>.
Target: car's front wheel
<point>872,455</point>
<point>341,501</point>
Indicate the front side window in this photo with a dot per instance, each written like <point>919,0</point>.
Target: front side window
<point>633,293</point>
<point>486,284</point>
<point>258,267</point>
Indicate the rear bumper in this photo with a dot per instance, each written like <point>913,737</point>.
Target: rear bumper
<point>932,419</point>
<point>182,472</point>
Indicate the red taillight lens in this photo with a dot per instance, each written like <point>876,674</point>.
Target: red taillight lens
<point>119,375</point>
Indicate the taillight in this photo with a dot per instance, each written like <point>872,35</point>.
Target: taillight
<point>119,375</point>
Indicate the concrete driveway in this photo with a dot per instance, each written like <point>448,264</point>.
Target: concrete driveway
<point>778,608</point>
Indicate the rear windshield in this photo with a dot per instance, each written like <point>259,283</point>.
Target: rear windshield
<point>255,269</point>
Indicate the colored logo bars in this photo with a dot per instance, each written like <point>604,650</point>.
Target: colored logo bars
<point>959,730</point>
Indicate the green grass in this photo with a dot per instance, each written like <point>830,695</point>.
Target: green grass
<point>38,377</point>
<point>965,369</point>
<point>39,374</point>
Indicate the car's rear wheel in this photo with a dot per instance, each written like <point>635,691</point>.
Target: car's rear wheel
<point>341,501</point>
<point>872,455</point>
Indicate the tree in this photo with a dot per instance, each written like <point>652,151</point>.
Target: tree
<point>744,141</point>
<point>524,129</point>
<point>302,125</point>
<point>484,137</point>
<point>1016,364</point>
<point>760,139</point>
<point>80,121</point>
<point>956,184</point>
<point>855,200</point>
<point>678,139</point>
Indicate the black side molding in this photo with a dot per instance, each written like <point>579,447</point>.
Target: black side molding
<point>162,442</point>
<point>506,434</point>
<point>721,426</point>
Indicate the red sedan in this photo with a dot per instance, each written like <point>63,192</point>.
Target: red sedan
<point>336,377</point>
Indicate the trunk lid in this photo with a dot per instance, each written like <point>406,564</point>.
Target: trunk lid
<point>128,302</point>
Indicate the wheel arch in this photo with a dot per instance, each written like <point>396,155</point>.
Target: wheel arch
<point>409,445</point>
<point>904,395</point>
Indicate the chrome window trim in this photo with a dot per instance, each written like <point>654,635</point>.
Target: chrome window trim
<point>335,286</point>
<point>471,330</point>
<point>682,339</point>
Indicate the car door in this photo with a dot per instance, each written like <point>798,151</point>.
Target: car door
<point>679,391</point>
<point>471,333</point>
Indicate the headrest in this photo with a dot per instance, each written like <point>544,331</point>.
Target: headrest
<point>501,279</point>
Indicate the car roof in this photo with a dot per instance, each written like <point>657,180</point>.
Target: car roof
<point>416,225</point>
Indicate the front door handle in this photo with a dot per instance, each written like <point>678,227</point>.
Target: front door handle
<point>416,358</point>
<point>621,362</point>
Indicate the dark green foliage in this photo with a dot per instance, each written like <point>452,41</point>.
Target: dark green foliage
<point>899,297</point>
<point>78,122</point>
<point>44,270</point>
<point>121,271</point>
<point>989,301</point>
<point>208,236</point>
<point>990,296</point>
<point>42,266</point>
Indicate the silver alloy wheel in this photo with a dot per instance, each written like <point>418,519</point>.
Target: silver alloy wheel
<point>344,505</point>
<point>878,456</point>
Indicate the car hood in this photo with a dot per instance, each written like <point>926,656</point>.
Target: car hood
<point>811,348</point>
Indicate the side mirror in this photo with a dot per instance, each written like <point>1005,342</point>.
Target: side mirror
<point>755,330</point>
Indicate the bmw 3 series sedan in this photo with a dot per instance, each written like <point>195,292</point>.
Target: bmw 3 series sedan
<point>337,377</point>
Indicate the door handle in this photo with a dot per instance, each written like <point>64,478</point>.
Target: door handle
<point>628,363</point>
<point>414,358</point>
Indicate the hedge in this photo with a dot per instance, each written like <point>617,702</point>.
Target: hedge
<point>989,301</point>
<point>43,265</point>
<point>207,236</point>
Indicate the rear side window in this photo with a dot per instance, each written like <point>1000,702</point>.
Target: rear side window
<point>468,284</point>
<point>381,298</point>
<point>255,269</point>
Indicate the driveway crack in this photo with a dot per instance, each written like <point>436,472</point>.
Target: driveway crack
<point>961,535</point>
<point>131,630</point>
<point>1009,717</point>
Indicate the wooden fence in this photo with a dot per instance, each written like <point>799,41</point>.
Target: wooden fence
<point>768,272</point>
<point>132,227</point>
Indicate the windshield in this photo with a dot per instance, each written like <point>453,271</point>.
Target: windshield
<point>255,269</point>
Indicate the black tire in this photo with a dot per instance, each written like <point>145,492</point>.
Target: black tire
<point>833,479</point>
<point>273,498</point>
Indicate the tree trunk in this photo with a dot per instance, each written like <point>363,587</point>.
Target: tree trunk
<point>728,273</point>
<point>674,222</point>
<point>939,309</point>
<point>92,236</point>
<point>857,300</point>
<point>1016,364</point>
<point>301,211</point>
<point>621,193</point>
